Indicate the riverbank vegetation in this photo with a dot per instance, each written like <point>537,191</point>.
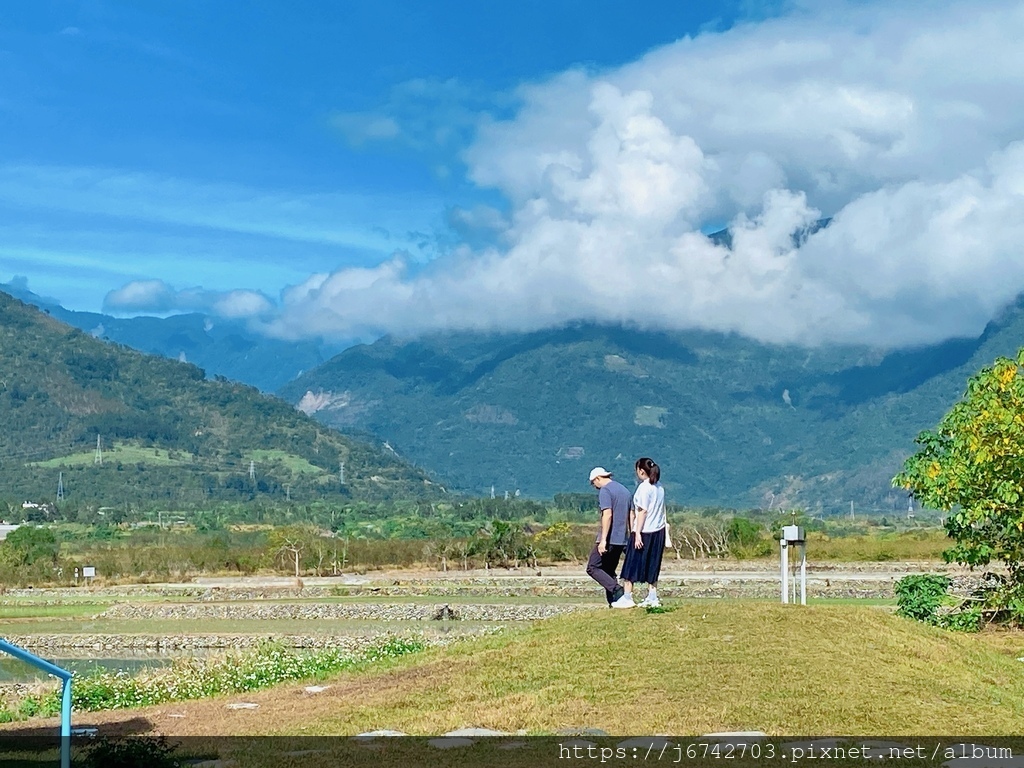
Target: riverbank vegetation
<point>196,678</point>
<point>320,540</point>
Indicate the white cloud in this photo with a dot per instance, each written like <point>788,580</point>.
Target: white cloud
<point>904,123</point>
<point>157,297</point>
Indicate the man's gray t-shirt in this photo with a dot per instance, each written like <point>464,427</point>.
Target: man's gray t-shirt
<point>615,497</point>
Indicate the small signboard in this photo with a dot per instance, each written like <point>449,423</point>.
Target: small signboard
<point>89,571</point>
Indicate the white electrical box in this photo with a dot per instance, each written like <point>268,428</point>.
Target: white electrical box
<point>793,533</point>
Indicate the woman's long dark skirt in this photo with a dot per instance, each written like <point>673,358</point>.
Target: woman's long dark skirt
<point>643,566</point>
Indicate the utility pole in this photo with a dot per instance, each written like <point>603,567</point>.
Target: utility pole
<point>60,487</point>
<point>98,458</point>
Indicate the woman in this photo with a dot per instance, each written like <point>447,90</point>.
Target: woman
<point>647,545</point>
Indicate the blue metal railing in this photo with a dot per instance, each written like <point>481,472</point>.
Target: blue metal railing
<point>65,701</point>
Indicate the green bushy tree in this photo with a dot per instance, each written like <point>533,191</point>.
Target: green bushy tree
<point>972,466</point>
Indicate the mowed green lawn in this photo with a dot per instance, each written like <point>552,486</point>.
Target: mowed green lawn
<point>704,667</point>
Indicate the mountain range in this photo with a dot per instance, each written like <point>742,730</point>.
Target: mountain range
<point>732,422</point>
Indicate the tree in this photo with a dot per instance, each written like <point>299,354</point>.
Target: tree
<point>288,543</point>
<point>972,466</point>
<point>558,541</point>
<point>27,545</point>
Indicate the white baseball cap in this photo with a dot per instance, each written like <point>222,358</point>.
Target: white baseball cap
<point>599,472</point>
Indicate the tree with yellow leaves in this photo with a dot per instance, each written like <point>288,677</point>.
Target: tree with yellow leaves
<point>972,466</point>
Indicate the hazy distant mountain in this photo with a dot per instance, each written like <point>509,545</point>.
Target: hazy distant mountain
<point>732,421</point>
<point>167,434</point>
<point>220,347</point>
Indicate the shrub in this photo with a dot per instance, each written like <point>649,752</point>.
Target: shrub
<point>920,595</point>
<point>131,752</point>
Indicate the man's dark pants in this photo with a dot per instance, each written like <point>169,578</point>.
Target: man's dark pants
<point>601,568</point>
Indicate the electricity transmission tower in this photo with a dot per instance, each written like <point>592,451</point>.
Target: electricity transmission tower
<point>60,486</point>
<point>341,472</point>
<point>252,470</point>
<point>98,458</point>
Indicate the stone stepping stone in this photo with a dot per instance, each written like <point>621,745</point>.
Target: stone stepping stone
<point>467,732</point>
<point>243,705</point>
<point>450,742</point>
<point>316,688</point>
<point>583,743</point>
<point>382,732</point>
<point>733,736</point>
<point>581,731</point>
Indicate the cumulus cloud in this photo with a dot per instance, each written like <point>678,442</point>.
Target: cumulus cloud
<point>902,124</point>
<point>157,297</point>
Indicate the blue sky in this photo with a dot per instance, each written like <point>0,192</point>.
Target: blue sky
<point>352,169</point>
<point>229,146</point>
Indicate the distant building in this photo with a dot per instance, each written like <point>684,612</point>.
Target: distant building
<point>5,529</point>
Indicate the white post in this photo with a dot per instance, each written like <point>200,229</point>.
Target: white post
<point>785,570</point>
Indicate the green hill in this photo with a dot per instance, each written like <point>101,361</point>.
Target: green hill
<point>219,346</point>
<point>165,432</point>
<point>733,422</point>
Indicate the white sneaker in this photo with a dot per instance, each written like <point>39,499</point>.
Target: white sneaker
<point>650,602</point>
<point>626,601</point>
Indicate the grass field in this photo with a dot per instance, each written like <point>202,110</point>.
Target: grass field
<point>126,454</point>
<point>293,463</point>
<point>925,544</point>
<point>705,666</point>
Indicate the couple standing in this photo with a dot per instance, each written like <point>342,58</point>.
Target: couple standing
<point>634,523</point>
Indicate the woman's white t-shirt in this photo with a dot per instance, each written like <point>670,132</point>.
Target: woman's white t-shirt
<point>651,498</point>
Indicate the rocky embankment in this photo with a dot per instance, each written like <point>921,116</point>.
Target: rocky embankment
<point>382,611</point>
<point>755,579</point>
<point>138,644</point>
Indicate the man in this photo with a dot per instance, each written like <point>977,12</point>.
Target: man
<point>614,501</point>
